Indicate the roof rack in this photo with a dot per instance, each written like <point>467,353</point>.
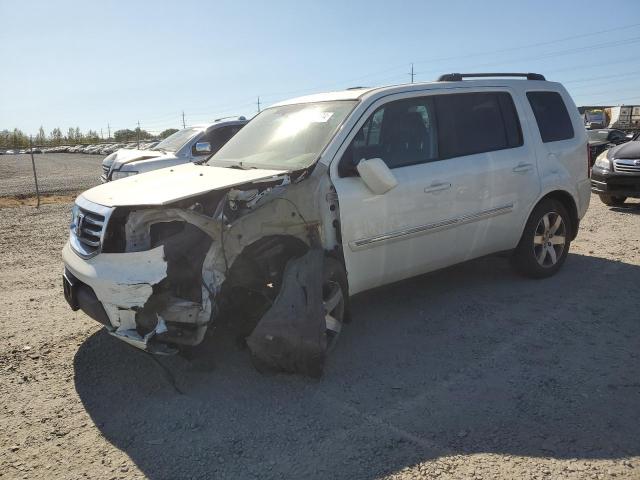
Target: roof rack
<point>457,77</point>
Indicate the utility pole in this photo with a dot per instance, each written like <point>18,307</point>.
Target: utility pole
<point>138,134</point>
<point>258,104</point>
<point>183,124</point>
<point>101,135</point>
<point>109,130</point>
<point>411,73</point>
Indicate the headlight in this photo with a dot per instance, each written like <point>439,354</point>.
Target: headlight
<point>603,162</point>
<point>74,216</point>
<point>117,175</point>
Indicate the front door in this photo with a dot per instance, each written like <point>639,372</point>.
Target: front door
<point>465,180</point>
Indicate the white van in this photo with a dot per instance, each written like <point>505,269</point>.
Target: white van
<point>321,197</point>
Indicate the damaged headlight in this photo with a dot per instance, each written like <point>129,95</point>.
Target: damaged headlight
<point>117,175</point>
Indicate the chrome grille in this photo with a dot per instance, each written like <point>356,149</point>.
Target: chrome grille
<point>626,165</point>
<point>88,226</point>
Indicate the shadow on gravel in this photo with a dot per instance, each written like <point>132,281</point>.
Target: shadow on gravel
<point>471,359</point>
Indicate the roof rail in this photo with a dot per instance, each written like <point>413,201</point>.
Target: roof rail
<point>457,77</point>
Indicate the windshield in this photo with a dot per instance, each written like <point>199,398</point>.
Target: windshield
<point>174,142</point>
<point>290,137</point>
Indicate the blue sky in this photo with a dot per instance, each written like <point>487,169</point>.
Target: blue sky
<point>88,64</point>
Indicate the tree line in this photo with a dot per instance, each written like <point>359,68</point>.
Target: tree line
<point>16,138</point>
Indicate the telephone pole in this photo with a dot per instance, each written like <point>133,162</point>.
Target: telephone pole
<point>183,124</point>
<point>258,104</point>
<point>138,134</point>
<point>411,73</point>
<point>101,135</point>
<point>109,130</point>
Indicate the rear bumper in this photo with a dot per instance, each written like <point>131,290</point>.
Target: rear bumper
<point>615,184</point>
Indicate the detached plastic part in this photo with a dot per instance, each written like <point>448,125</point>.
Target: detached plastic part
<point>291,336</point>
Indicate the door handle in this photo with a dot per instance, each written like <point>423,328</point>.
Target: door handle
<point>523,168</point>
<point>437,187</point>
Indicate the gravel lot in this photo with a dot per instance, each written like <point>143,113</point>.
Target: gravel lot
<point>472,372</point>
<point>57,173</point>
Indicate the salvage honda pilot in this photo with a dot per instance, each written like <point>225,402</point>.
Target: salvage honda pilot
<point>321,197</point>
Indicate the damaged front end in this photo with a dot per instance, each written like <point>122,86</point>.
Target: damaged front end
<point>159,276</point>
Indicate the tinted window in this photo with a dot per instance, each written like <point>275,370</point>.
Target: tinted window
<point>476,122</point>
<point>551,115</point>
<point>401,133</point>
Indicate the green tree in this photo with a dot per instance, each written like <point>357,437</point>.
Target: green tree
<point>56,136</point>
<point>41,137</point>
<point>169,131</point>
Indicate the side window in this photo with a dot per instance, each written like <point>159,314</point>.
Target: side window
<point>401,133</point>
<point>551,115</point>
<point>470,123</point>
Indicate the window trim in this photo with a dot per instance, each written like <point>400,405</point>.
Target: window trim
<point>507,147</point>
<point>427,93</point>
<point>537,123</point>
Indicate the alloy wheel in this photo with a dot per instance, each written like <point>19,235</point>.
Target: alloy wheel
<point>549,239</point>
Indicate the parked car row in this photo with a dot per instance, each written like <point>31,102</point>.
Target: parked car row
<point>96,149</point>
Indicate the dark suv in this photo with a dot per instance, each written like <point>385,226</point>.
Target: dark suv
<point>616,173</point>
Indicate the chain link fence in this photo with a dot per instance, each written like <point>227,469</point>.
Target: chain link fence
<point>57,173</point>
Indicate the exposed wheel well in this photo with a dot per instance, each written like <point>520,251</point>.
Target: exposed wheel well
<point>567,200</point>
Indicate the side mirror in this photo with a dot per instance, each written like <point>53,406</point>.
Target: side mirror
<point>202,148</point>
<point>376,175</point>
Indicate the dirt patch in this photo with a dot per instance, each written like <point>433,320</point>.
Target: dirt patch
<point>31,200</point>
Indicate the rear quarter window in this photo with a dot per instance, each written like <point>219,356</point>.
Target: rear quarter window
<point>552,117</point>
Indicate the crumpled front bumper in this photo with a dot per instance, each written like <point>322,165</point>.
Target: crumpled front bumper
<point>112,288</point>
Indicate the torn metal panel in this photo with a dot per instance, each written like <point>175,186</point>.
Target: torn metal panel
<point>291,336</point>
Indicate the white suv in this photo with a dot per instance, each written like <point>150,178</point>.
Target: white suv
<point>321,197</point>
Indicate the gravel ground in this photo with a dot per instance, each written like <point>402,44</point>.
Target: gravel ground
<point>472,372</point>
<point>57,173</point>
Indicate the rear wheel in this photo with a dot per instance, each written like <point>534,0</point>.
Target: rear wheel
<point>612,200</point>
<point>545,241</point>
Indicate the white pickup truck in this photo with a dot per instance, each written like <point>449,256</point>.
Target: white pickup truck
<point>190,144</point>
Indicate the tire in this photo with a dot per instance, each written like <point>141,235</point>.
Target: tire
<point>611,200</point>
<point>335,297</point>
<point>544,244</point>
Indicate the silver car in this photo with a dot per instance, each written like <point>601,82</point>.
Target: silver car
<point>192,144</point>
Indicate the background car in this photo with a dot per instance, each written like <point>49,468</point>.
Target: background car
<point>192,144</point>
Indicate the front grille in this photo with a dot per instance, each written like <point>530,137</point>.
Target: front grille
<point>626,166</point>
<point>88,227</point>
<point>105,172</point>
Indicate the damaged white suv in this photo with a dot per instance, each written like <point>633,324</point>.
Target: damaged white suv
<point>321,197</point>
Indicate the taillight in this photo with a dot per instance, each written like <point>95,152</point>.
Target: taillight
<point>589,160</point>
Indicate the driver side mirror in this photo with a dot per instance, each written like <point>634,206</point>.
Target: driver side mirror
<point>376,175</point>
<point>202,148</point>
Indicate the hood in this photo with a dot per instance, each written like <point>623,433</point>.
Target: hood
<point>168,185</point>
<point>125,155</point>
<point>626,150</point>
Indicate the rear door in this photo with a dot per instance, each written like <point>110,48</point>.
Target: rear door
<point>481,140</point>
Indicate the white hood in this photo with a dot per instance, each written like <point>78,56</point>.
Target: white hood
<point>169,185</point>
<point>125,155</point>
